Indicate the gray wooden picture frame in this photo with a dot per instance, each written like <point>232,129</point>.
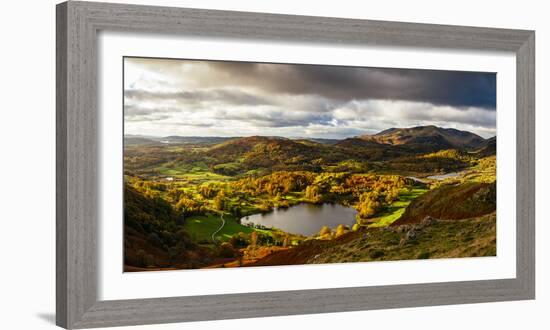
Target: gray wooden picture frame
<point>78,24</point>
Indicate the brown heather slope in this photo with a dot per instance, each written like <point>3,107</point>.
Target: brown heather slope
<point>452,202</point>
<point>433,239</point>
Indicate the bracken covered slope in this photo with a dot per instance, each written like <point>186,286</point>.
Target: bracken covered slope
<point>430,239</point>
<point>452,202</point>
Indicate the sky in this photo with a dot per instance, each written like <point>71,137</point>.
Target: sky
<point>164,97</point>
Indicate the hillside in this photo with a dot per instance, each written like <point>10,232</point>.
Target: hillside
<point>427,240</point>
<point>275,153</point>
<point>452,202</point>
<point>138,140</point>
<point>432,136</point>
<point>489,149</point>
<point>153,236</point>
<point>184,198</point>
<point>370,149</point>
<point>425,154</point>
<point>237,148</point>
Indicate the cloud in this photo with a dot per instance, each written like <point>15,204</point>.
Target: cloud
<point>227,96</point>
<point>377,115</point>
<point>275,117</point>
<point>400,111</point>
<point>175,97</point>
<point>455,88</point>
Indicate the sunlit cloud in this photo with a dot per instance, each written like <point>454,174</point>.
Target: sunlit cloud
<point>201,98</point>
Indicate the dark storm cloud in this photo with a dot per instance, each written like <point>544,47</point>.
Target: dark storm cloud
<point>233,97</point>
<point>277,118</point>
<point>454,88</point>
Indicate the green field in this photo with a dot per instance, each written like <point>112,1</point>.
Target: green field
<point>201,227</point>
<point>397,208</point>
<point>196,173</point>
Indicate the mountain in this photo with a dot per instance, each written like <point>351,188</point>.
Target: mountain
<point>358,142</point>
<point>257,152</point>
<point>489,149</point>
<point>424,138</point>
<point>369,149</point>
<point>428,136</point>
<point>237,148</point>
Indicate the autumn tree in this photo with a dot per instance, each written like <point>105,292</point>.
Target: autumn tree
<point>219,201</point>
<point>207,190</point>
<point>391,195</point>
<point>341,230</point>
<point>188,206</point>
<point>313,193</point>
<point>368,205</point>
<point>325,231</point>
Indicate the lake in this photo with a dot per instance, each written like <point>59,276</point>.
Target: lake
<point>445,176</point>
<point>438,177</point>
<point>305,219</point>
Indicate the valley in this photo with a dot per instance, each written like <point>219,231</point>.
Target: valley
<point>404,193</point>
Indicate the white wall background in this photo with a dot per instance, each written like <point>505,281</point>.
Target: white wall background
<point>27,163</point>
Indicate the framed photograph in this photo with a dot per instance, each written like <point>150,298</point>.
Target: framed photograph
<point>316,164</point>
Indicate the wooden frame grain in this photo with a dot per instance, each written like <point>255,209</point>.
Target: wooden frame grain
<point>78,24</point>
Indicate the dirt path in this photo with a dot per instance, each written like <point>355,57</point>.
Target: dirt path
<point>218,230</point>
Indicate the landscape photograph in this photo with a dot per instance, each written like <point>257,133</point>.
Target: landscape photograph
<point>242,164</point>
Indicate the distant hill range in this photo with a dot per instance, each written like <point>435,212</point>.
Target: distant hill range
<point>144,139</point>
<point>390,142</point>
